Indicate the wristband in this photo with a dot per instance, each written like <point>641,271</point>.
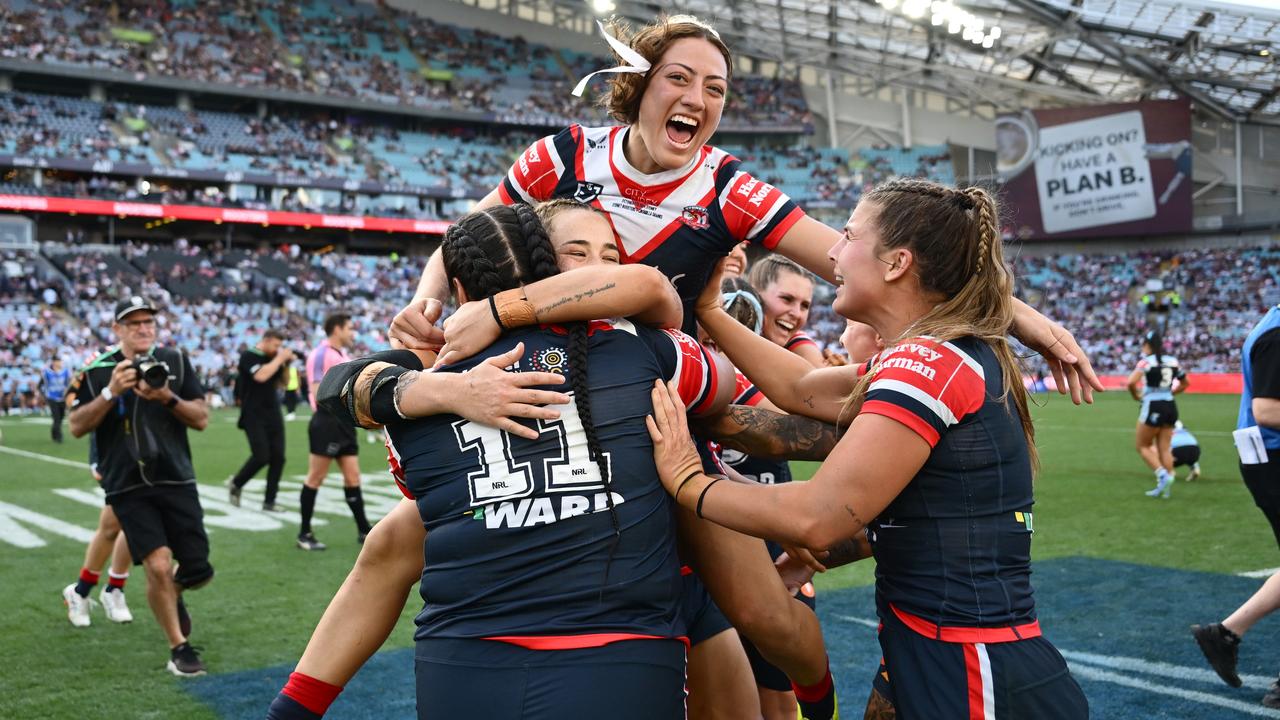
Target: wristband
<point>493,308</point>
<point>684,482</point>
<point>173,402</point>
<point>106,394</point>
<point>513,309</point>
<point>703,496</point>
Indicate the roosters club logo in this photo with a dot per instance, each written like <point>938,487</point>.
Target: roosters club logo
<point>695,217</point>
<point>587,191</point>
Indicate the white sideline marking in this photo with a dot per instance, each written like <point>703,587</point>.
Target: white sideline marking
<point>873,624</point>
<point>1248,708</point>
<point>13,533</point>
<point>1262,574</point>
<point>46,458</point>
<point>1169,670</point>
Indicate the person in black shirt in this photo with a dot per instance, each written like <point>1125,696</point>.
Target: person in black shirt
<point>262,373</point>
<point>139,400</point>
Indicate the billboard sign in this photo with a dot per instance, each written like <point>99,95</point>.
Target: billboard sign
<point>1107,170</point>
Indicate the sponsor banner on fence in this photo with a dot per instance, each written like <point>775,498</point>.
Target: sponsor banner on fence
<point>219,215</point>
<point>1222,383</point>
<point>1106,170</point>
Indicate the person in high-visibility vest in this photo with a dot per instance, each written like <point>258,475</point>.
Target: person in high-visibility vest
<point>291,384</point>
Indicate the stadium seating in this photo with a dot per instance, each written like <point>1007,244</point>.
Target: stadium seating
<point>363,50</point>
<point>216,303</point>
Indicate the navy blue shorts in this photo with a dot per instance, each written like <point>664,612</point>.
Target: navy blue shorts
<point>494,680</point>
<point>926,678</point>
<point>702,619</point>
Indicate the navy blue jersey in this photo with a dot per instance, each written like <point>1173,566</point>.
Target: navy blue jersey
<point>954,548</point>
<point>680,221</point>
<point>1158,375</point>
<point>520,531</point>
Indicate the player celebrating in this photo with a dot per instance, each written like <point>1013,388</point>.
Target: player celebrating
<point>594,621</point>
<point>923,265</point>
<point>330,438</point>
<point>1153,384</point>
<point>675,202</point>
<point>786,291</point>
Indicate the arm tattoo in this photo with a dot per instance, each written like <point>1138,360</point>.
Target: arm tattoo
<point>770,435</point>
<point>576,297</point>
<point>848,551</point>
<point>879,707</point>
<point>809,401</point>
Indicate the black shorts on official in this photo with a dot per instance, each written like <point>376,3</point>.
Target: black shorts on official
<point>495,680</point>
<point>330,436</point>
<point>166,516</point>
<point>702,619</point>
<point>926,678</point>
<point>1186,455</point>
<point>1263,482</point>
<point>1158,413</point>
<point>768,675</point>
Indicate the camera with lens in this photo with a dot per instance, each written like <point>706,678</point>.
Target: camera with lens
<point>152,371</point>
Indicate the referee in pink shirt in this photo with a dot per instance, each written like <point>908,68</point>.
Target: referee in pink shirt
<point>330,437</point>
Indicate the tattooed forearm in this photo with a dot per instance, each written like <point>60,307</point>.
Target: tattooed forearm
<point>852,550</point>
<point>575,297</point>
<point>770,435</point>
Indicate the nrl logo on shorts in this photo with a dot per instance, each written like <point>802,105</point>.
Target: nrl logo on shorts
<point>695,217</point>
<point>587,191</point>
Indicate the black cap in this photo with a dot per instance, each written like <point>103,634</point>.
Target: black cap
<point>132,304</point>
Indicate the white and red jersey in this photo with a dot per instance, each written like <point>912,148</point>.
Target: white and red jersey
<point>680,221</point>
<point>800,339</point>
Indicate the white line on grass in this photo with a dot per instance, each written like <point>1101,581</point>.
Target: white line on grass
<point>1091,673</point>
<point>1169,670</point>
<point>46,458</point>
<point>1264,574</point>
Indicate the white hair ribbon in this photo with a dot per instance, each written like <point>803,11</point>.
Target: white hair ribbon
<point>635,62</point>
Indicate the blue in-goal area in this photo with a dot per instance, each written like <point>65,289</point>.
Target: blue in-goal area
<point>1124,629</point>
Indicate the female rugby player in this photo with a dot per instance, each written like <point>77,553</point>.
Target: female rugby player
<point>679,204</point>
<point>364,611</point>
<point>675,202</point>
<point>786,291</point>
<point>936,464</point>
<point>1152,383</point>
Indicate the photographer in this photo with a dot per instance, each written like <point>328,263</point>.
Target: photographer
<point>262,372</point>
<point>139,401</point>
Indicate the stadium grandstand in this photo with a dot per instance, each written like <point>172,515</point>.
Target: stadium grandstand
<point>255,164</point>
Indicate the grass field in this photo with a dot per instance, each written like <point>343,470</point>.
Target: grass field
<point>1148,568</point>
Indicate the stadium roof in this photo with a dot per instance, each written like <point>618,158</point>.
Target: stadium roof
<point>1222,54</point>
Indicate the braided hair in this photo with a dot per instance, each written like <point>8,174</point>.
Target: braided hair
<point>504,247</point>
<point>954,238</point>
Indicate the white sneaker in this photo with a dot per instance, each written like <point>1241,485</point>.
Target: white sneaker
<point>291,417</point>
<point>77,607</point>
<point>1162,488</point>
<point>114,604</point>
<point>1195,472</point>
